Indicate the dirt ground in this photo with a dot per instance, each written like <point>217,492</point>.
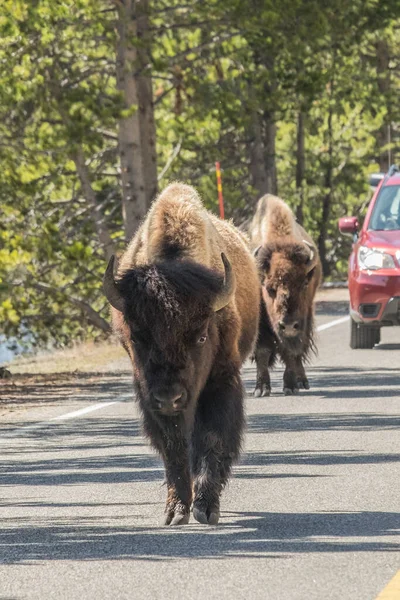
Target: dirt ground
<point>334,301</point>
<point>48,377</point>
<point>332,295</point>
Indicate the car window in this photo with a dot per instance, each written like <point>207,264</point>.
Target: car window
<point>386,213</point>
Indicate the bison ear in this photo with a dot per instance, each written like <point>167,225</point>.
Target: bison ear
<point>110,288</point>
<point>263,257</point>
<point>226,294</point>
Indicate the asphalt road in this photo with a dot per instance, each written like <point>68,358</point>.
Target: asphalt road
<point>312,511</point>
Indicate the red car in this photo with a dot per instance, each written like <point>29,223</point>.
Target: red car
<point>374,264</point>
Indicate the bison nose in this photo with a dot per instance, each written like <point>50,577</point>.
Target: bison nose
<point>177,401</point>
<point>169,401</point>
<point>288,328</point>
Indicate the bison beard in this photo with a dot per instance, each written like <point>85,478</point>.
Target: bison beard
<point>166,306</point>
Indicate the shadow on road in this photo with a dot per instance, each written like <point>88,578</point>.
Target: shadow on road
<point>90,433</point>
<point>340,382</point>
<point>39,389</point>
<point>387,347</point>
<point>37,536</point>
<point>317,458</point>
<point>247,535</point>
<point>268,423</point>
<point>109,450</point>
<point>110,469</point>
<point>111,431</point>
<point>330,308</point>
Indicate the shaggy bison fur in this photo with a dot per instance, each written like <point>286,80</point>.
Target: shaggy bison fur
<point>290,272</point>
<point>185,304</point>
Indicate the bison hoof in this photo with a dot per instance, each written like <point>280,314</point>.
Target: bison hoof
<point>303,383</point>
<point>206,515</point>
<point>175,517</point>
<point>290,391</point>
<point>264,390</point>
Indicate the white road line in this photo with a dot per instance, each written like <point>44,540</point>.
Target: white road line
<point>88,409</point>
<point>100,405</point>
<point>333,323</point>
<point>64,417</point>
<point>83,411</point>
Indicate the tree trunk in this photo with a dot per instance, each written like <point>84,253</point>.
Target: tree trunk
<point>134,192</point>
<point>146,104</point>
<point>327,199</point>
<point>383,78</point>
<point>300,166</point>
<point>270,155</point>
<point>258,172</point>
<point>90,196</point>
<point>264,126</point>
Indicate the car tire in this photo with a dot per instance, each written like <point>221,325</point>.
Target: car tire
<point>363,337</point>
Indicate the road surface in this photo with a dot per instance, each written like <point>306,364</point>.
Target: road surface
<point>312,511</point>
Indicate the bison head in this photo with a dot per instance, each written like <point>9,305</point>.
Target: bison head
<point>170,310</point>
<point>286,271</point>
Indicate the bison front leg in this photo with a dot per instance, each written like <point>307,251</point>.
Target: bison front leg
<point>265,354</point>
<point>167,435</point>
<point>290,385</point>
<point>216,440</point>
<point>263,358</point>
<point>302,381</point>
<point>294,377</point>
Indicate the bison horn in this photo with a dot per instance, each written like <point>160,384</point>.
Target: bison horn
<point>312,251</point>
<point>228,290</point>
<point>110,288</point>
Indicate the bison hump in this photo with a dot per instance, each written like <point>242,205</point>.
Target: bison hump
<point>178,226</point>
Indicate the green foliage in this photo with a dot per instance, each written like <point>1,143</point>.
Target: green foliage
<point>215,67</point>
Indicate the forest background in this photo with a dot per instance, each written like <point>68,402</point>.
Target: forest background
<point>103,102</point>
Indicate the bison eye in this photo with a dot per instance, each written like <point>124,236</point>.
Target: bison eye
<point>202,339</point>
<point>271,292</point>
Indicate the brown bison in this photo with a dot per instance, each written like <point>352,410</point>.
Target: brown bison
<point>290,272</point>
<point>185,304</point>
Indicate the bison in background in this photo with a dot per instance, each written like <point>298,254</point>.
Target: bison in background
<point>185,304</point>
<point>290,272</point>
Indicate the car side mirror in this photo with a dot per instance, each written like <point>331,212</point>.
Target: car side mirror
<point>375,179</point>
<point>349,226</point>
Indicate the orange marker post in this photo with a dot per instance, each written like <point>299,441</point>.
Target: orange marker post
<point>219,188</point>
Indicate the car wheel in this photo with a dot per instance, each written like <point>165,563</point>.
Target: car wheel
<point>363,336</point>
